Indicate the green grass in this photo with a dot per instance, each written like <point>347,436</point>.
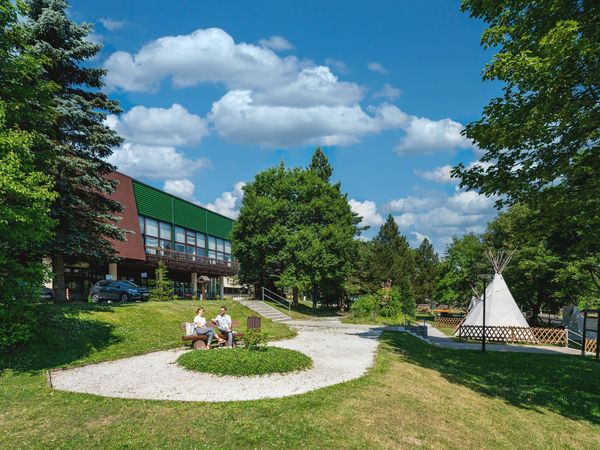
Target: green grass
<point>243,362</point>
<point>304,310</point>
<point>416,395</point>
<point>379,320</point>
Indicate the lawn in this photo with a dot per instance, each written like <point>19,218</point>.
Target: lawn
<point>416,395</point>
<point>304,310</point>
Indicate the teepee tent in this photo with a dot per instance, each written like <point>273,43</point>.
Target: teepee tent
<point>501,309</point>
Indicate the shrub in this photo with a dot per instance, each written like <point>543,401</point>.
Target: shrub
<point>365,305</point>
<point>391,303</point>
<point>240,362</point>
<point>255,339</point>
<point>163,289</point>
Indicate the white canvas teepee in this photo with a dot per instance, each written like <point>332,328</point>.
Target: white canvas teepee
<point>501,309</point>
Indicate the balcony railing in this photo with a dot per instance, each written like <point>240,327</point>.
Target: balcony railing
<point>188,261</point>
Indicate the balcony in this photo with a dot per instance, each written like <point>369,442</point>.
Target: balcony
<point>192,263</point>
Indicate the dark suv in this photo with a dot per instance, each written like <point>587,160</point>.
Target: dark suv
<point>119,290</point>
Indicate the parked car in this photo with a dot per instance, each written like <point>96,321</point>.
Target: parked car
<point>47,293</point>
<point>118,290</point>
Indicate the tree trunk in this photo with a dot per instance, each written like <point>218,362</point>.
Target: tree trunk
<point>535,312</point>
<point>58,279</point>
<point>314,298</point>
<point>295,294</point>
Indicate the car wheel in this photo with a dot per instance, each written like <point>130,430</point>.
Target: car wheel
<point>95,298</point>
<point>124,298</point>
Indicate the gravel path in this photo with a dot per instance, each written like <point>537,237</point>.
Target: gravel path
<point>345,354</point>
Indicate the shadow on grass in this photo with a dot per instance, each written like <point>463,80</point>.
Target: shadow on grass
<point>566,385</point>
<point>65,333</point>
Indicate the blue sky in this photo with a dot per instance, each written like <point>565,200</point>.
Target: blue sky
<point>214,92</point>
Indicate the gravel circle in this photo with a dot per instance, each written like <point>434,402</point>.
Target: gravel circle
<point>339,354</point>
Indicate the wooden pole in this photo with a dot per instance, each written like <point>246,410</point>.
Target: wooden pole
<point>598,335</point>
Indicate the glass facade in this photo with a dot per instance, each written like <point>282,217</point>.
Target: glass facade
<point>157,234</point>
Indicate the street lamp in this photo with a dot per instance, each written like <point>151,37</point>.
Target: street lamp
<point>485,277</point>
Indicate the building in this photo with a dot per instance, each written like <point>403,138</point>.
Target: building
<point>192,240</point>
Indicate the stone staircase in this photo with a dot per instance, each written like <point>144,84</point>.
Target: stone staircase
<point>265,310</point>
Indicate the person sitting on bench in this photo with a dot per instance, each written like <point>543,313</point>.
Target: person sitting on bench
<point>223,322</point>
<point>201,328</point>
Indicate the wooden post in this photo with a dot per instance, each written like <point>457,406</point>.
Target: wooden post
<point>598,335</point>
<point>566,337</point>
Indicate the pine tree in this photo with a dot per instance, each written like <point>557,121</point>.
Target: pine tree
<point>391,257</point>
<point>426,267</point>
<point>79,143</point>
<point>320,165</point>
<point>163,289</point>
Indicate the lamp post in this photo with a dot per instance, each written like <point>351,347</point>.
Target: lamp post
<point>485,277</point>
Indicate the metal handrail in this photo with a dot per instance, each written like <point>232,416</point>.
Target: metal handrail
<point>272,294</point>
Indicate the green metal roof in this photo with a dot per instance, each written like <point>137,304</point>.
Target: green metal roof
<point>157,204</point>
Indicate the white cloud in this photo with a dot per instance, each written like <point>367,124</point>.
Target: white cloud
<point>276,43</point>
<point>388,91</point>
<point>206,55</point>
<point>183,188</point>
<point>428,136</point>
<point>368,211</point>
<point>229,202</point>
<point>112,24</point>
<point>156,162</point>
<point>173,126</point>
<point>439,216</point>
<point>237,117</point>
<point>338,65</point>
<point>438,175</point>
<point>376,67</point>
<point>442,174</point>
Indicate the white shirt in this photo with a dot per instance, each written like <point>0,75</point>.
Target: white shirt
<point>223,322</point>
<point>199,321</point>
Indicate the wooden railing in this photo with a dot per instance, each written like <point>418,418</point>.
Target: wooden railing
<point>590,345</point>
<point>188,261</point>
<point>447,322</point>
<point>554,336</point>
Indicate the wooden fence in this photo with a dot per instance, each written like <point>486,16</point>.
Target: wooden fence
<point>555,336</point>
<point>590,345</point>
<point>447,322</point>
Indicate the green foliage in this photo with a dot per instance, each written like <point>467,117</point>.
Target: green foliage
<point>391,258</point>
<point>426,270</point>
<point>297,231</point>
<point>320,165</point>
<point>239,362</point>
<point>74,152</point>
<point>365,305</point>
<point>255,338</point>
<point>163,287</point>
<point>541,138</point>
<point>25,192</point>
<point>464,259</point>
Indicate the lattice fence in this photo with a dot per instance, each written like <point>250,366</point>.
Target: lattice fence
<point>555,336</point>
<point>590,345</point>
<point>447,322</point>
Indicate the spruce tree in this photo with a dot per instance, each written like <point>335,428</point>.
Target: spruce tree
<point>163,289</point>
<point>79,143</point>
<point>320,165</point>
<point>391,257</point>
<point>426,267</point>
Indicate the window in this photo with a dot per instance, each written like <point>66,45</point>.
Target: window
<point>190,250</point>
<point>212,254</point>
<point>190,237</point>
<point>141,222</point>
<point>228,247</point>
<point>166,245</point>
<point>151,244</point>
<point>200,240</point>
<point>165,230</point>
<point>200,251</point>
<point>212,243</point>
<point>179,235</point>
<point>220,245</point>
<point>151,227</point>
<point>180,248</point>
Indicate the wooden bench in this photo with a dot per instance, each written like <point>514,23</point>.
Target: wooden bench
<point>200,341</point>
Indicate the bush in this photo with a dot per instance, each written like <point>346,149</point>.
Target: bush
<point>254,339</point>
<point>241,362</point>
<point>391,302</point>
<point>365,306</point>
<point>163,289</point>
